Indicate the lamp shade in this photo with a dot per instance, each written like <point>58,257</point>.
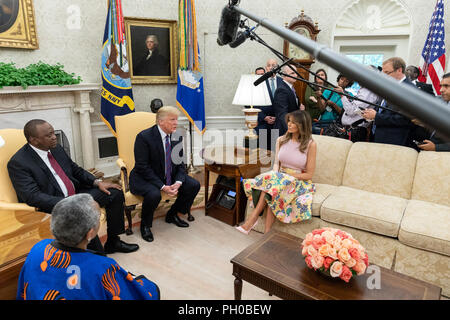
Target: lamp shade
<point>249,95</point>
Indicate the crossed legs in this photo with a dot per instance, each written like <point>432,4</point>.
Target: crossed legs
<point>253,217</point>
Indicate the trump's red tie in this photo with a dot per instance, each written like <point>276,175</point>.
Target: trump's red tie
<point>60,172</point>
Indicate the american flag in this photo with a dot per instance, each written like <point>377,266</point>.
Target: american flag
<point>432,62</point>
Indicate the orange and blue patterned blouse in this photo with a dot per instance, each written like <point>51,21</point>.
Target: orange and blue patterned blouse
<point>53,271</point>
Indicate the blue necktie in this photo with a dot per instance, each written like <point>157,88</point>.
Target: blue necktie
<point>272,86</point>
<point>168,162</point>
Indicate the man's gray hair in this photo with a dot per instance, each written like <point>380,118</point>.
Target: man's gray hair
<point>73,217</point>
<point>154,37</point>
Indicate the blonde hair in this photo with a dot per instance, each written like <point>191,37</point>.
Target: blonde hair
<point>302,120</point>
<point>165,111</point>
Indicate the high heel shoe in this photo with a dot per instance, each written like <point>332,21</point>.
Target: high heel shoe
<point>247,231</point>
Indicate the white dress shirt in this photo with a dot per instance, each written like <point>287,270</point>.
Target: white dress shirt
<point>44,156</point>
<point>352,112</point>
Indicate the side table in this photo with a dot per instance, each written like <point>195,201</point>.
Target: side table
<point>234,163</point>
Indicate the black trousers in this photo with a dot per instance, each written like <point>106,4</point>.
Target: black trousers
<point>113,204</point>
<point>186,195</point>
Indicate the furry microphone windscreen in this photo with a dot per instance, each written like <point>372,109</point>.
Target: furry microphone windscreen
<point>229,23</point>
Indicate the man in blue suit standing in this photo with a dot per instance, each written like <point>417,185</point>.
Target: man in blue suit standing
<point>388,126</point>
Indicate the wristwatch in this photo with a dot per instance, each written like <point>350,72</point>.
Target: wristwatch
<point>96,182</point>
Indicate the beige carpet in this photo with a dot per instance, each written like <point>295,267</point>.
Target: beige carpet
<point>191,263</point>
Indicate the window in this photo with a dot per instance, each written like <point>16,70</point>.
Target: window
<point>374,59</point>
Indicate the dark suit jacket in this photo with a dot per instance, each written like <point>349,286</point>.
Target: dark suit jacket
<point>35,184</point>
<point>428,88</point>
<point>267,110</point>
<point>393,127</point>
<point>156,65</point>
<point>149,159</point>
<point>284,102</point>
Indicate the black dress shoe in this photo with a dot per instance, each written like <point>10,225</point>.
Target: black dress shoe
<point>190,217</point>
<point>147,234</point>
<point>120,246</point>
<point>177,221</point>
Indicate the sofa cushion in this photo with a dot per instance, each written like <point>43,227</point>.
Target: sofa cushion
<point>380,168</point>
<point>364,210</point>
<point>431,181</point>
<point>330,159</point>
<point>426,225</point>
<point>322,192</point>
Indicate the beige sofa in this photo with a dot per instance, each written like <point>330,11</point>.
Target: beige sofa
<point>394,200</point>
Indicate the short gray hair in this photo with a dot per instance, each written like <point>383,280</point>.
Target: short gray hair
<point>73,217</point>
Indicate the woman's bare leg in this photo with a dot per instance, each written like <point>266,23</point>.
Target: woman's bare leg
<point>270,218</point>
<point>255,213</point>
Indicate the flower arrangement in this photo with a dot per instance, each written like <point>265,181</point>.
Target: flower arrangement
<point>335,253</point>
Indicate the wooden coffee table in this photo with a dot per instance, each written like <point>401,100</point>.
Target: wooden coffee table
<point>275,264</point>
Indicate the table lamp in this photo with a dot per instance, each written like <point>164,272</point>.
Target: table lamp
<point>249,95</point>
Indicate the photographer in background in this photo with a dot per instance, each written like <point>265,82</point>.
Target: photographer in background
<point>434,142</point>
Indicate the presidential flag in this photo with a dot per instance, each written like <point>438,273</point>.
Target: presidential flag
<point>432,62</point>
<point>116,95</point>
<point>190,94</point>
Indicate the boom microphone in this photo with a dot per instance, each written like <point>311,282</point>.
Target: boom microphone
<point>229,23</point>
<point>264,77</point>
<point>241,37</point>
<point>270,73</point>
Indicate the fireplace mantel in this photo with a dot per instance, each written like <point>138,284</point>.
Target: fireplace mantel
<point>67,108</point>
<point>43,89</point>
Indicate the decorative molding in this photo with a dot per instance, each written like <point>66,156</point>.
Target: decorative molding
<point>54,88</point>
<point>374,17</point>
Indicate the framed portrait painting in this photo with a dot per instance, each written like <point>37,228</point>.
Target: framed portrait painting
<point>152,50</point>
<point>17,26</point>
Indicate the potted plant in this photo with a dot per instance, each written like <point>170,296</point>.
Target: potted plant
<point>35,75</point>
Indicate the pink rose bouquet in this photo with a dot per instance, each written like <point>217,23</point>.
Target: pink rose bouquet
<point>335,253</point>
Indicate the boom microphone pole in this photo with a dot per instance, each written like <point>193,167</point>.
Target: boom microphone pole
<point>350,97</point>
<point>415,103</point>
<point>254,36</point>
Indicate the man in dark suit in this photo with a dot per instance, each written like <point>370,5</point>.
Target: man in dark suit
<point>388,126</point>
<point>152,63</point>
<point>433,141</point>
<point>43,174</point>
<point>266,118</point>
<point>412,73</point>
<point>160,167</point>
<point>285,100</point>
